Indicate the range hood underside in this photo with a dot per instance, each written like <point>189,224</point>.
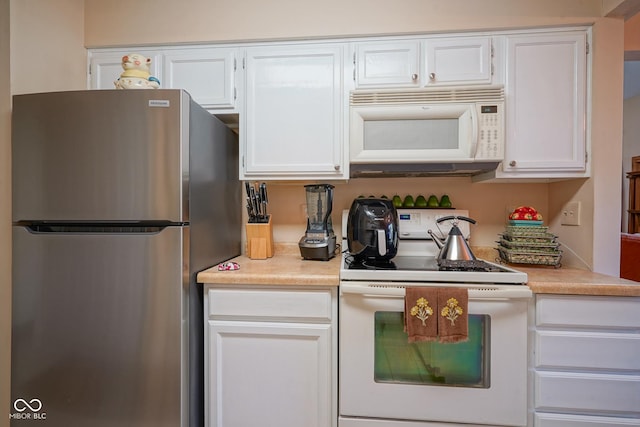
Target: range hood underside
<point>379,170</point>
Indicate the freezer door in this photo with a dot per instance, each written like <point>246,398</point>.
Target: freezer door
<point>112,155</point>
<point>99,328</point>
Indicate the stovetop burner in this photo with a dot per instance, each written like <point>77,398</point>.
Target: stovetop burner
<point>372,264</point>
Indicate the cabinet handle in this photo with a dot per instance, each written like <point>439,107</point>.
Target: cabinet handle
<point>512,163</point>
<point>432,76</point>
<point>414,77</point>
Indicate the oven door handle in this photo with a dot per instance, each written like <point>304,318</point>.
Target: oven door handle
<point>486,293</point>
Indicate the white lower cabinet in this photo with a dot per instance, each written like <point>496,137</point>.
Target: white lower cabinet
<point>586,361</point>
<point>270,357</point>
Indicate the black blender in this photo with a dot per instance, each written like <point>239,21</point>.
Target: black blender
<point>319,241</point>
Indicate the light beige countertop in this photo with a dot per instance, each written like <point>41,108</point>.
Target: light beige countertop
<point>286,267</point>
<point>570,281</point>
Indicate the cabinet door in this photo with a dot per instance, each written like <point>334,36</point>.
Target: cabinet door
<point>545,103</point>
<point>394,64</point>
<point>577,311</point>
<point>587,350</point>
<point>208,74</point>
<point>542,419</point>
<point>587,393</point>
<point>269,374</point>
<point>105,67</point>
<point>464,60</point>
<point>294,122</point>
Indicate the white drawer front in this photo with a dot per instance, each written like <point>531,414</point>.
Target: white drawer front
<point>313,305</point>
<point>563,420</point>
<point>588,311</point>
<point>587,393</point>
<point>588,350</point>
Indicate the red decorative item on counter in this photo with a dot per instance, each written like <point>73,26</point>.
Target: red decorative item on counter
<point>525,213</point>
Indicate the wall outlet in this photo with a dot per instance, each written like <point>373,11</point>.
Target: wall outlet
<point>571,214</point>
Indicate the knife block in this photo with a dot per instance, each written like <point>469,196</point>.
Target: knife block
<point>259,240</point>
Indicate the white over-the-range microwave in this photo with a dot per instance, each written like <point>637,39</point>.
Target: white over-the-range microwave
<point>454,130</point>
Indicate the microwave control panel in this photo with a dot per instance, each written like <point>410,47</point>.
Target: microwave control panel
<point>490,131</point>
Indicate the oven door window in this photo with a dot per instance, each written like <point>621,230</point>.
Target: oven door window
<point>464,364</point>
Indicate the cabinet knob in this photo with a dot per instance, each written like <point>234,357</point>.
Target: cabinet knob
<point>336,167</point>
<point>414,77</point>
<point>432,76</point>
<point>512,163</point>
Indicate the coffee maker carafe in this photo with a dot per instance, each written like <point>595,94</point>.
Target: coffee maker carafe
<point>319,241</point>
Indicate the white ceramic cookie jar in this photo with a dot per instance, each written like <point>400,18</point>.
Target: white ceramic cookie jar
<point>136,74</point>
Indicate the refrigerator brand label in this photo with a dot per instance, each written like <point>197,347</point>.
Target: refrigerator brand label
<point>159,103</point>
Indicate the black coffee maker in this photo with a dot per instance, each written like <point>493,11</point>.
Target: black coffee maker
<point>372,229</point>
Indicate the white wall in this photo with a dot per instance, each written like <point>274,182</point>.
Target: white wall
<point>606,148</point>
<point>121,22</point>
<point>631,79</point>
<point>47,46</point>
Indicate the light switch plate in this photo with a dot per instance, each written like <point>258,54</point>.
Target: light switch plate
<point>571,214</point>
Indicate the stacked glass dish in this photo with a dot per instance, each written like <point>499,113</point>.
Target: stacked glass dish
<point>529,244</point>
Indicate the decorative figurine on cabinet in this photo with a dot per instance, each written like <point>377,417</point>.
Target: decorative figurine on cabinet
<point>136,74</point>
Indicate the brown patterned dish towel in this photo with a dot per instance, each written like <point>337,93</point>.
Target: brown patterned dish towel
<point>420,313</point>
<point>453,320</point>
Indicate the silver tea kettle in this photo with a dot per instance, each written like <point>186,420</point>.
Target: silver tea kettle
<point>455,246</point>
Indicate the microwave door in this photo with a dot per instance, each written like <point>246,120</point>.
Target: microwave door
<point>411,134</point>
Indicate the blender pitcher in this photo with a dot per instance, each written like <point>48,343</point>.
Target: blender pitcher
<point>319,241</point>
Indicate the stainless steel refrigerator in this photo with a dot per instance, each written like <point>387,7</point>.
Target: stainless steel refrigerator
<point>119,199</point>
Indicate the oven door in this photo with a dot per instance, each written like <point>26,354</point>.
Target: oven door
<point>383,377</point>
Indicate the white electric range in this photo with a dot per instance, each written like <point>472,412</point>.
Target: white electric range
<point>388,382</point>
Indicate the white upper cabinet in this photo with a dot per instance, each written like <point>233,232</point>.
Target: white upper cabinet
<point>458,60</point>
<point>392,64</point>
<point>208,74</point>
<point>105,67</point>
<point>424,62</point>
<point>546,84</point>
<point>291,99</point>
<point>293,125</point>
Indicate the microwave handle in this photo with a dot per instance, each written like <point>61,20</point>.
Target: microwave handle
<point>474,132</point>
